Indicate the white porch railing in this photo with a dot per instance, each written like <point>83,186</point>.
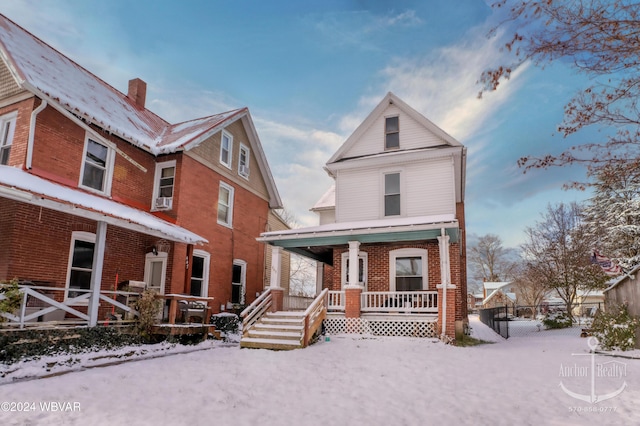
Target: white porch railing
<point>296,303</point>
<point>39,301</point>
<point>336,301</point>
<point>424,302</point>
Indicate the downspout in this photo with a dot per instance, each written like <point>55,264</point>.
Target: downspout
<point>445,284</point>
<point>32,131</point>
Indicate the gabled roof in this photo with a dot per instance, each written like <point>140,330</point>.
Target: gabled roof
<point>447,140</point>
<point>50,75</point>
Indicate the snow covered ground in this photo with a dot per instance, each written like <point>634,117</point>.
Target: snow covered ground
<point>347,380</point>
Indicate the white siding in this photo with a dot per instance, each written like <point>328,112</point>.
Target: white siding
<point>327,216</point>
<point>412,135</point>
<point>427,188</point>
<point>357,195</point>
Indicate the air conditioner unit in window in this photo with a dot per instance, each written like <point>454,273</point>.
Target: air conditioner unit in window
<point>163,203</point>
<point>244,170</point>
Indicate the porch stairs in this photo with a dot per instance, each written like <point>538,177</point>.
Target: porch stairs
<point>277,331</point>
<point>281,330</point>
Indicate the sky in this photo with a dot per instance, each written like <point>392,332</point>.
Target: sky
<point>310,72</point>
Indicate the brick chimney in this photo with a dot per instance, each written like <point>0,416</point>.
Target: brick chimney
<point>137,91</point>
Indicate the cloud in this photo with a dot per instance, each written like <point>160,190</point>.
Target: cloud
<point>362,29</point>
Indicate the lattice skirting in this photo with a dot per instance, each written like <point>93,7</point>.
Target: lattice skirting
<point>341,325</point>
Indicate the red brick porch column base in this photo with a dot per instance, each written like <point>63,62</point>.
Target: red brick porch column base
<point>451,311</point>
<point>352,307</point>
<point>277,299</point>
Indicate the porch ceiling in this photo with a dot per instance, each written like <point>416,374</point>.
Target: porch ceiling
<point>19,185</point>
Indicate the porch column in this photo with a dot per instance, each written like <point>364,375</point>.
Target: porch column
<point>277,292</point>
<point>96,274</point>
<point>446,302</point>
<point>354,249</point>
<point>353,289</point>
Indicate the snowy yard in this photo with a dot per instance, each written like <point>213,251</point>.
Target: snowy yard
<point>347,380</point>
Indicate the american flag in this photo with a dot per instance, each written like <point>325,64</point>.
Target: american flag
<point>608,267</point>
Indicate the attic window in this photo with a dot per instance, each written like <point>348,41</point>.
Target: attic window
<point>391,133</point>
<point>226,146</point>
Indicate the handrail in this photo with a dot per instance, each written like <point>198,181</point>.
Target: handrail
<point>254,311</point>
<point>314,315</point>
<point>255,303</point>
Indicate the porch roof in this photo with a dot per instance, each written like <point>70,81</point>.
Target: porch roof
<point>22,186</point>
<point>317,242</point>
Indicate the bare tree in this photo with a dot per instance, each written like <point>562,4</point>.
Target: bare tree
<point>489,260</point>
<point>557,252</point>
<point>598,38</point>
<point>530,287</point>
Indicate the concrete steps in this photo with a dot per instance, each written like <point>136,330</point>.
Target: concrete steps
<point>276,331</point>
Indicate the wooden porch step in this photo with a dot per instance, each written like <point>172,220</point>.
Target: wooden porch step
<point>274,344</point>
<point>272,334</point>
<point>282,321</point>
<point>279,327</point>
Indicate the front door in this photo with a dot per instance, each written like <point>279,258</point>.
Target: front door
<point>155,272</point>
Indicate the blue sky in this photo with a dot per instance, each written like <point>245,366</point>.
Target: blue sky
<point>311,71</point>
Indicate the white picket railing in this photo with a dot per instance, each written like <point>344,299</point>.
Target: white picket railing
<point>400,301</point>
<point>296,303</point>
<point>336,301</point>
<point>313,317</point>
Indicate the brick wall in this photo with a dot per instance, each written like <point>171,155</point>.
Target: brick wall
<point>199,186</point>
<point>378,264</point>
<point>18,154</point>
<point>40,239</point>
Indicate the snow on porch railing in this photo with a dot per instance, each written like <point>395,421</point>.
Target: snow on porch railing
<point>336,301</point>
<point>38,301</point>
<point>400,301</point>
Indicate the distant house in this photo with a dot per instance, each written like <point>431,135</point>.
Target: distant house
<point>498,294</point>
<point>474,301</point>
<point>96,190</point>
<point>391,232</point>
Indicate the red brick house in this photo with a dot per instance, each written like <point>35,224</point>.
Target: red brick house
<point>397,211</point>
<point>96,190</point>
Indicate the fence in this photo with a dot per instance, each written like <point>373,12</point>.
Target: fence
<point>520,321</point>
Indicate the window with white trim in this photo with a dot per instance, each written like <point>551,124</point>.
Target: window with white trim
<point>391,133</point>
<point>362,268</point>
<point>225,205</point>
<point>392,194</point>
<point>80,265</point>
<point>238,281</point>
<point>200,273</point>
<point>7,129</point>
<point>226,148</point>
<point>408,269</point>
<point>164,184</point>
<point>97,166</point>
<point>243,161</point>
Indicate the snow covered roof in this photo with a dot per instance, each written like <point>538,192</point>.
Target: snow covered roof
<point>26,187</point>
<point>327,201</point>
<point>494,285</point>
<point>49,74</point>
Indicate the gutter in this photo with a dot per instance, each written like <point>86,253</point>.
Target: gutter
<point>32,131</point>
